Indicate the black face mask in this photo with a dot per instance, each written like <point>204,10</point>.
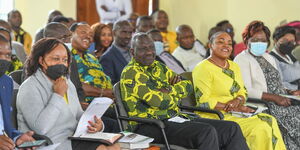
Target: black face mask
<point>56,71</point>
<point>286,48</point>
<point>4,66</point>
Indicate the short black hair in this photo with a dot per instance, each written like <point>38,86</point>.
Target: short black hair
<point>75,25</point>
<point>283,30</point>
<point>60,19</point>
<point>40,49</point>
<point>143,18</point>
<point>222,23</point>
<point>119,24</point>
<point>54,29</point>
<point>153,31</point>
<point>13,11</point>
<point>213,30</point>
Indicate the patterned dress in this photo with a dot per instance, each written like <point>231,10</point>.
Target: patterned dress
<point>288,117</point>
<point>91,72</point>
<point>213,84</point>
<point>140,90</point>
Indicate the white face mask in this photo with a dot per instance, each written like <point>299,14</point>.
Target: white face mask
<point>159,47</point>
<point>69,45</point>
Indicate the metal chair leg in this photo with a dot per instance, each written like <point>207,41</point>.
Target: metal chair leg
<point>118,119</point>
<point>165,138</point>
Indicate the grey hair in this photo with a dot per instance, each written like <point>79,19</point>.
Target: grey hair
<point>136,37</point>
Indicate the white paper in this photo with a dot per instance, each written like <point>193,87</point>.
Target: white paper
<point>178,119</point>
<point>292,96</point>
<point>100,135</point>
<point>246,115</point>
<point>97,107</point>
<point>49,147</point>
<point>130,137</point>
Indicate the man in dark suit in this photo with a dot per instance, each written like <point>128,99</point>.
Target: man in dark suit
<point>9,137</point>
<point>117,56</point>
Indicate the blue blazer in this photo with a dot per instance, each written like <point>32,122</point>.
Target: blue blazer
<point>6,93</point>
<point>113,63</point>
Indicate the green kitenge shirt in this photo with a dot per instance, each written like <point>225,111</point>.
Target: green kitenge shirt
<point>140,87</point>
<point>91,72</point>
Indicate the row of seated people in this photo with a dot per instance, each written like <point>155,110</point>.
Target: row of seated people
<point>96,83</point>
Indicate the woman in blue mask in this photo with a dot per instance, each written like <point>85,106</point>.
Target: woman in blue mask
<point>263,80</point>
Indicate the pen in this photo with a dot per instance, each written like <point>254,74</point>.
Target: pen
<point>4,133</point>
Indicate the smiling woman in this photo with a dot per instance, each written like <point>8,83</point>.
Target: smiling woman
<point>218,85</point>
<point>102,37</point>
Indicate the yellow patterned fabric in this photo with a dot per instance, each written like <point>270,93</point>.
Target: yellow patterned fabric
<point>17,64</point>
<point>170,41</point>
<point>91,72</point>
<point>141,95</point>
<point>213,84</point>
<point>24,38</point>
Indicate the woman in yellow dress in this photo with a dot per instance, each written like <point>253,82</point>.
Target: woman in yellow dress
<point>219,85</point>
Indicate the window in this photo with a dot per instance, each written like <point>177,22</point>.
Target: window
<point>5,7</point>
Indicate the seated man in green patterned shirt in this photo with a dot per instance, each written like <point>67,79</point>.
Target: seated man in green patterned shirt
<point>151,90</point>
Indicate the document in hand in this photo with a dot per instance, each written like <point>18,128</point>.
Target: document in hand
<point>134,141</point>
<point>105,138</point>
<point>246,115</point>
<point>295,100</point>
<point>97,107</point>
<point>292,97</point>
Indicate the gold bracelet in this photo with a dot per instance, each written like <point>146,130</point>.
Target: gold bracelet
<point>241,99</point>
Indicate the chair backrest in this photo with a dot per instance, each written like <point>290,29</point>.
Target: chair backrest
<point>189,100</point>
<point>16,76</point>
<point>14,109</point>
<point>120,109</point>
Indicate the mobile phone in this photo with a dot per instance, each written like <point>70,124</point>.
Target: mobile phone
<point>252,107</point>
<point>37,143</point>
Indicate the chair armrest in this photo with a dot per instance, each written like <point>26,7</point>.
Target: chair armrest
<point>43,137</point>
<point>220,115</point>
<point>255,100</point>
<point>157,122</point>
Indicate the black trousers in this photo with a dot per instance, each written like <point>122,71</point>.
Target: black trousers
<point>204,134</point>
<point>84,145</point>
<point>111,125</point>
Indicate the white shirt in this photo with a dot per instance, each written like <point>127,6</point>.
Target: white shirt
<point>114,10</point>
<point>188,58</point>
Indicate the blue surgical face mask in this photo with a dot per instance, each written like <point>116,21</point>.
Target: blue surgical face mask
<point>69,45</point>
<point>258,48</point>
<point>159,47</point>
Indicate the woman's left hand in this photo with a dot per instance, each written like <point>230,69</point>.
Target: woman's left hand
<point>232,104</point>
<point>95,126</point>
